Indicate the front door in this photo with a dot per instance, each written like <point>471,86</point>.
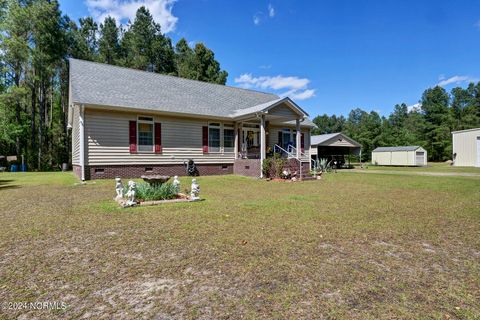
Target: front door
<point>420,158</point>
<point>251,140</point>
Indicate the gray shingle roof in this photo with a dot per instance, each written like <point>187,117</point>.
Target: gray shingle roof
<point>102,84</point>
<point>393,149</point>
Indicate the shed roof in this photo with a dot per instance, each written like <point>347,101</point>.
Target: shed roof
<point>466,130</point>
<point>325,138</point>
<point>107,85</point>
<point>395,149</point>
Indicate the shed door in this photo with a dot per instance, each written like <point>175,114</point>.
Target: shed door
<point>478,151</point>
<point>420,158</point>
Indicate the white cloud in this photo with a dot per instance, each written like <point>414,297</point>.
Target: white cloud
<point>292,86</point>
<point>124,10</point>
<point>455,80</point>
<point>257,18</point>
<point>271,11</point>
<point>260,15</point>
<point>415,107</point>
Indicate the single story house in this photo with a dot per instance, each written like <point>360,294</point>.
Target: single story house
<point>128,123</point>
<point>400,156</point>
<point>334,147</point>
<point>466,148</point>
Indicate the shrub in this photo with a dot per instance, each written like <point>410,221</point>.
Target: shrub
<point>149,192</point>
<point>272,167</point>
<point>323,165</point>
<point>266,166</point>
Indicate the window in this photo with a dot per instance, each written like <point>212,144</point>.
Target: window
<point>145,133</point>
<point>228,138</point>
<point>214,137</point>
<point>99,171</point>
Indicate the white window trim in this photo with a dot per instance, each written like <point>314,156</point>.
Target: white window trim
<point>221,126</point>
<point>152,122</point>
<point>222,143</point>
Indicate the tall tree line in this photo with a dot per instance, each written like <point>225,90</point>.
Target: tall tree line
<point>36,41</point>
<point>430,125</point>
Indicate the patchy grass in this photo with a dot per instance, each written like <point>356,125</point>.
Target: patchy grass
<point>348,246</point>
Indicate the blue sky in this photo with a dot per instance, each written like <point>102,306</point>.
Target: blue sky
<point>330,56</point>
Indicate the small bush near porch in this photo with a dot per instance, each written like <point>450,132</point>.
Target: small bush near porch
<point>351,246</point>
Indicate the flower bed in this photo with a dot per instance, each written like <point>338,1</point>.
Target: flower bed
<point>147,192</point>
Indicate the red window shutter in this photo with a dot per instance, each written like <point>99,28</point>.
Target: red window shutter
<point>280,138</point>
<point>133,136</point>
<point>302,142</point>
<point>205,139</point>
<point>158,137</point>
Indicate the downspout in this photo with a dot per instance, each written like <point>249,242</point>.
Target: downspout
<point>81,125</point>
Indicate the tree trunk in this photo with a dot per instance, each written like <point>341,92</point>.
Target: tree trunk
<point>41,114</point>
<point>32,124</point>
<point>18,146</point>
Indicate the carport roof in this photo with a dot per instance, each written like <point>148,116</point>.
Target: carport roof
<point>324,139</point>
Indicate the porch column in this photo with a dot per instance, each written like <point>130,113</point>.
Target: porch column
<point>81,127</point>
<point>262,143</point>
<point>299,139</point>
<point>236,140</point>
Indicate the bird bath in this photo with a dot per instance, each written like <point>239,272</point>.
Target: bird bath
<point>155,180</point>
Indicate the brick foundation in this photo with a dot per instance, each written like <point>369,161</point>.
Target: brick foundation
<point>294,166</point>
<point>252,167</point>
<point>77,170</point>
<point>135,171</point>
<point>247,167</point>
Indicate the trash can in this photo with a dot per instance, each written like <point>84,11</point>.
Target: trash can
<point>23,167</point>
<point>64,167</point>
<point>13,168</point>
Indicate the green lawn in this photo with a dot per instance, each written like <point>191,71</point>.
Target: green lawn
<point>440,167</point>
<point>348,246</point>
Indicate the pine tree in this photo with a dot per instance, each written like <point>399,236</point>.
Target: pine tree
<point>435,106</point>
<point>108,44</point>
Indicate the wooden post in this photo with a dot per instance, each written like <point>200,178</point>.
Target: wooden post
<point>236,140</point>
<point>299,139</point>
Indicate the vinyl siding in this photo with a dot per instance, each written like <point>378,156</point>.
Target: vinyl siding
<point>282,110</point>
<point>465,146</point>
<point>108,140</point>
<point>75,137</point>
<point>342,143</point>
<point>272,139</point>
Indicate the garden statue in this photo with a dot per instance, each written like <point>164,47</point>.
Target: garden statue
<point>118,188</point>
<point>131,193</point>
<point>176,184</point>
<point>195,190</point>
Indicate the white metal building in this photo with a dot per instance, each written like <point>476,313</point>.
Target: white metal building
<point>466,148</point>
<point>399,156</point>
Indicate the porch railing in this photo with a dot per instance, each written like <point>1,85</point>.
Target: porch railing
<point>290,155</point>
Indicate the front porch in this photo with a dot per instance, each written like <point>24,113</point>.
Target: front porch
<point>275,128</point>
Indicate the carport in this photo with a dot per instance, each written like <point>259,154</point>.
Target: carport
<point>334,147</point>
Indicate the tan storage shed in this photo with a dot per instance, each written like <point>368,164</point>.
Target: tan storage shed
<point>399,156</point>
<point>466,148</point>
